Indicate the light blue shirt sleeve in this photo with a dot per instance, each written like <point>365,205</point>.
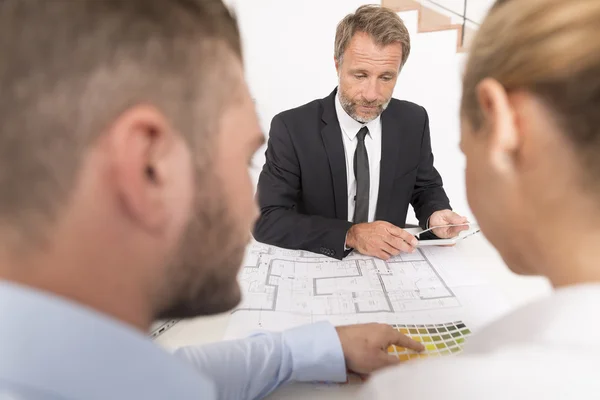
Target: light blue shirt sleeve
<point>252,368</point>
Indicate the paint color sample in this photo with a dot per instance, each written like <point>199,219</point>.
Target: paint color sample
<point>439,340</point>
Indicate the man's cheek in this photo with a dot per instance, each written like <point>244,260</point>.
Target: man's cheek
<point>238,183</point>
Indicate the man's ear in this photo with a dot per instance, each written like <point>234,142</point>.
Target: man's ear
<point>337,65</point>
<point>141,145</point>
<point>499,124</point>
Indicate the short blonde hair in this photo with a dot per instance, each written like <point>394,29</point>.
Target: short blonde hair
<point>380,23</point>
<point>552,49</point>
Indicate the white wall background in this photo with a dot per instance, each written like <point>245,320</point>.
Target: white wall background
<point>288,51</point>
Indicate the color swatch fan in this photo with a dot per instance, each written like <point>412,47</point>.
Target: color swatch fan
<point>439,340</point>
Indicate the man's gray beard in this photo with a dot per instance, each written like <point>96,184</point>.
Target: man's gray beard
<point>347,106</point>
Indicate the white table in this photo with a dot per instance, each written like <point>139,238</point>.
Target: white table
<point>479,254</point>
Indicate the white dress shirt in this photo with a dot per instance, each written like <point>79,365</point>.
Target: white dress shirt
<point>54,349</point>
<point>546,350</point>
<point>350,128</point>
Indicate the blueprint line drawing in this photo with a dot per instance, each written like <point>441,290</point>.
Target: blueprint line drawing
<point>304,283</point>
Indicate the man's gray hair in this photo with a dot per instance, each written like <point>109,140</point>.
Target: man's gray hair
<point>382,24</point>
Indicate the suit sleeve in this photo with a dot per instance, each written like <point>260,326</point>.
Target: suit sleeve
<point>428,195</point>
<point>279,193</point>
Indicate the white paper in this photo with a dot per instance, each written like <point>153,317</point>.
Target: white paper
<point>286,288</point>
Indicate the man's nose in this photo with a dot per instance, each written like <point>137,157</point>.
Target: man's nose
<point>370,92</point>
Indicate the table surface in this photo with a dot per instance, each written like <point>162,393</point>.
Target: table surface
<point>477,251</point>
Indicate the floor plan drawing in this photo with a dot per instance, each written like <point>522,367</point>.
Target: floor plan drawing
<point>304,283</point>
<point>283,289</point>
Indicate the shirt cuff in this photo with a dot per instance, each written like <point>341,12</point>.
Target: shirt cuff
<point>317,353</point>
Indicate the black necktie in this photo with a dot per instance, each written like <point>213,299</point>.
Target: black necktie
<point>361,173</point>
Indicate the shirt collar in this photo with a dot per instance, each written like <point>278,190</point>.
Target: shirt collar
<point>349,125</point>
<point>60,347</point>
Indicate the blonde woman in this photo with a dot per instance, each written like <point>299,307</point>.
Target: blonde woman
<point>531,135</point>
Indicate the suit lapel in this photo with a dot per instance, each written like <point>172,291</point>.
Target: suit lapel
<point>334,146</point>
<point>391,141</point>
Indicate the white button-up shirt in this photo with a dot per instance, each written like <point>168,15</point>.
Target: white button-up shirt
<point>350,128</point>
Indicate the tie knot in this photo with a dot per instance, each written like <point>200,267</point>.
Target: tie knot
<point>362,133</point>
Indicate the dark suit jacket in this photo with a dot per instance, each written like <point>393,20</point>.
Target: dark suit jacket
<point>302,189</point>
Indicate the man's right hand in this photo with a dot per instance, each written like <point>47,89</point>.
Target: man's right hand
<point>365,346</point>
<point>380,239</point>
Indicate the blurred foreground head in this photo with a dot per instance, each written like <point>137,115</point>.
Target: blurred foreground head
<point>531,132</point>
<point>126,129</point>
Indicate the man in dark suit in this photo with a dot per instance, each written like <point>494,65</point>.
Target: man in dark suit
<point>341,171</point>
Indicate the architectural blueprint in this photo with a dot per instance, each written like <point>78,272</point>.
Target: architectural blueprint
<point>301,282</point>
<point>285,288</point>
